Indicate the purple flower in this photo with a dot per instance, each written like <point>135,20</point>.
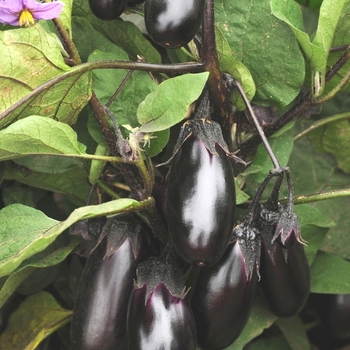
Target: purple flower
<point>24,12</point>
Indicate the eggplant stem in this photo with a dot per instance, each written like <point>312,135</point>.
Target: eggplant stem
<point>258,127</point>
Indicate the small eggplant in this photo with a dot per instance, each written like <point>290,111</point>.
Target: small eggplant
<point>107,10</point>
<point>165,322</point>
<point>285,277</point>
<point>100,311</point>
<point>159,316</point>
<point>201,198</point>
<point>173,24</point>
<point>223,296</point>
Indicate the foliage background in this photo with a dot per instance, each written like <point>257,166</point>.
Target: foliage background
<point>52,150</point>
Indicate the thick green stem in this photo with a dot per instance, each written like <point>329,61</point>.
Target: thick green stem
<point>316,197</point>
<point>320,123</point>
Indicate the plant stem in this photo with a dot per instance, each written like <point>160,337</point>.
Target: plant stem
<point>334,91</point>
<point>219,93</point>
<point>67,41</point>
<point>303,102</point>
<point>109,191</point>
<point>269,150</point>
<point>320,123</point>
<point>316,197</point>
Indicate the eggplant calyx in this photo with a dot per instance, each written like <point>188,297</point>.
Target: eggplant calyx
<point>249,241</point>
<point>155,271</point>
<point>288,231</point>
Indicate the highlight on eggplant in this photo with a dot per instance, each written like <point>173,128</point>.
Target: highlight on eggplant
<point>173,24</point>
<point>159,316</point>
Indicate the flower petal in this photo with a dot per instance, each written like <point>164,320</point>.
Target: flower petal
<point>48,10</point>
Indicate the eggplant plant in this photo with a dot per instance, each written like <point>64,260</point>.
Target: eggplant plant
<point>219,128</point>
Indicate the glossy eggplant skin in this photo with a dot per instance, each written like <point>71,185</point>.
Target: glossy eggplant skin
<point>108,10</point>
<point>200,202</point>
<point>164,323</point>
<point>173,24</point>
<point>100,311</point>
<point>285,282</point>
<point>222,300</point>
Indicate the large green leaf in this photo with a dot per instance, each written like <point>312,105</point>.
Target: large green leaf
<point>169,103</point>
<point>294,331</point>
<point>282,146</point>
<point>29,266</point>
<point>31,57</point>
<point>255,36</point>
<point>35,319</point>
<point>330,274</point>
<point>236,68</point>
<point>334,138</point>
<point>25,231</point>
<point>39,137</point>
<point>72,183</point>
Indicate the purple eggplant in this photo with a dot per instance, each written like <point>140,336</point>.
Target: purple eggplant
<point>173,23</point>
<point>223,298</point>
<point>135,2</point>
<point>107,10</point>
<point>200,202</point>
<point>159,316</point>
<point>165,322</point>
<point>100,311</point>
<point>285,277</point>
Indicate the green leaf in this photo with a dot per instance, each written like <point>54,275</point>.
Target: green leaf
<point>97,166</point>
<point>26,231</point>
<point>271,343</point>
<point>330,274</point>
<point>17,194</point>
<point>334,138</point>
<point>316,56</point>
<point>88,40</point>
<point>236,68</point>
<point>72,183</point>
<point>282,147</point>
<point>158,141</point>
<point>29,266</point>
<point>168,104</point>
<point>36,318</point>
<point>260,319</point>
<point>310,215</point>
<point>255,35</point>
<point>107,81</point>
<point>37,135</point>
<point>241,196</point>
<point>294,331</point>
<point>30,58</point>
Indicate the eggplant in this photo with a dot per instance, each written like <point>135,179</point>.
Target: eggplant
<point>159,316</point>
<point>200,202</point>
<point>100,310</point>
<point>223,298</point>
<point>334,310</point>
<point>285,277</point>
<point>173,24</point>
<point>108,10</point>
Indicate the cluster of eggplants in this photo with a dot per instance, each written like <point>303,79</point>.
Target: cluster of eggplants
<point>108,10</point>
